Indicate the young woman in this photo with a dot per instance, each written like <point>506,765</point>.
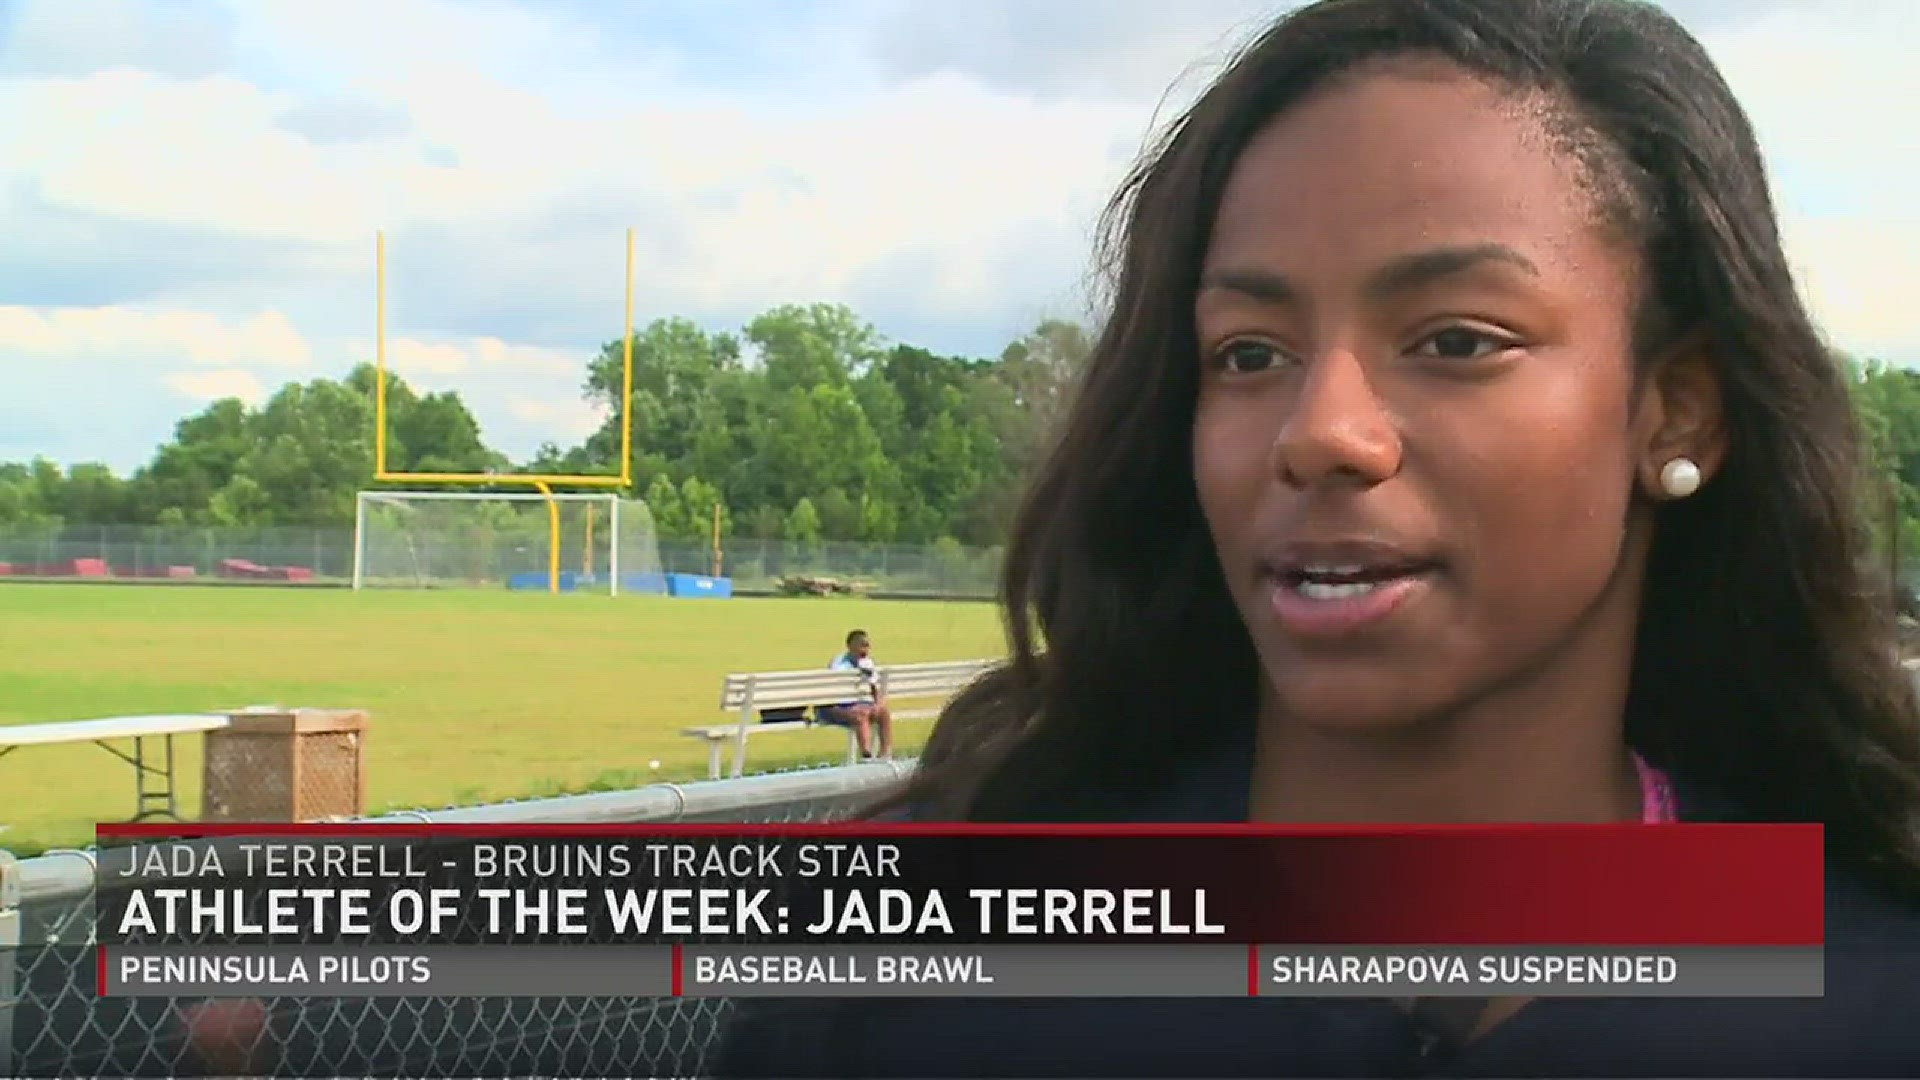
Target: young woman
<point>1457,450</point>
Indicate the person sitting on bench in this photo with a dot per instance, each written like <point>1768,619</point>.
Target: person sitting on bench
<point>861,716</point>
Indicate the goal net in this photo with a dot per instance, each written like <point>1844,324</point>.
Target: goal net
<point>461,539</point>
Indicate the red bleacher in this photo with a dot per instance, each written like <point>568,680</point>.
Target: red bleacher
<point>251,571</point>
<point>68,568</point>
<point>242,569</point>
<point>176,573</point>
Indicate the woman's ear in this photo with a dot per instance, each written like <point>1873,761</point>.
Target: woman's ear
<point>1680,420</point>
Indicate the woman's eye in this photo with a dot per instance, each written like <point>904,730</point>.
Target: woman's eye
<point>1461,343</point>
<point>1246,357</point>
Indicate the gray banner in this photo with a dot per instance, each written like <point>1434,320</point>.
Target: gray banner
<point>1535,971</point>
<point>377,971</point>
<point>1099,971</point>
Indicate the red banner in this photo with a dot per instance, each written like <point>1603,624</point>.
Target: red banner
<point>1629,885</point>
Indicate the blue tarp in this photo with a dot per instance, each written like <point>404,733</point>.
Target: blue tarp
<point>640,581</point>
<point>635,581</point>
<point>537,581</point>
<point>694,585</point>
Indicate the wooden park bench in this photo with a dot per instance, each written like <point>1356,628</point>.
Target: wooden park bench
<point>749,694</point>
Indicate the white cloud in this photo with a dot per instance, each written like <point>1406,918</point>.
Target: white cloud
<point>441,361</point>
<point>414,359</point>
<point>1134,50</point>
<point>1859,276</point>
<point>522,395</point>
<point>574,419</point>
<point>496,355</point>
<point>266,340</point>
<point>772,200</point>
<point>214,385</point>
<point>366,41</point>
<point>961,174</point>
<point>948,186</point>
<point>184,37</point>
<point>1820,91</point>
<point>206,153</point>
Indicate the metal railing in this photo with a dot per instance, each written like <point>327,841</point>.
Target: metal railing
<point>52,1024</point>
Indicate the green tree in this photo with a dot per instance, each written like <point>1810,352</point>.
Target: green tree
<point>676,366</point>
<point>813,346</point>
<point>840,517</point>
<point>879,519</point>
<point>766,522</point>
<point>550,459</point>
<point>298,459</point>
<point>312,451</point>
<point>699,498</point>
<point>803,524</point>
<point>436,433</point>
<point>200,460</point>
<point>89,494</point>
<point>813,440</point>
<point>1041,367</point>
<point>23,504</point>
<point>242,501</point>
<point>879,441</point>
<point>921,381</point>
<point>885,410</point>
<point>1887,402</point>
<point>669,513</point>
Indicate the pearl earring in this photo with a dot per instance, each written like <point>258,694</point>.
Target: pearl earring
<point>1680,477</point>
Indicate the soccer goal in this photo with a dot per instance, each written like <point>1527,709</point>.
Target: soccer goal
<point>470,539</point>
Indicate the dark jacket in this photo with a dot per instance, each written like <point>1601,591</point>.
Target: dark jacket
<point>1867,1025</point>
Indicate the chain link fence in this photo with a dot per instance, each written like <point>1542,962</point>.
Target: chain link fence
<point>163,551</point>
<point>942,569</point>
<point>945,569</point>
<point>59,1027</point>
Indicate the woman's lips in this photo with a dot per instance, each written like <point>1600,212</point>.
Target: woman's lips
<point>1334,601</point>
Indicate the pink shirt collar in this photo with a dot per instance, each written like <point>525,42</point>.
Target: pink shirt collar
<point>1657,803</point>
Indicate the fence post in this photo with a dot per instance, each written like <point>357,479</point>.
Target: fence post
<point>9,950</point>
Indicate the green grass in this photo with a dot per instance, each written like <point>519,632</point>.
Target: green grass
<point>474,696</point>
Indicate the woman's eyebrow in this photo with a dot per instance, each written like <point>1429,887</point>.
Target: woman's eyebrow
<point>1403,274</point>
<point>1263,285</point>
<point>1409,272</point>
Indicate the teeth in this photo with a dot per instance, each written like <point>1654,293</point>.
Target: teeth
<point>1315,590</point>
<point>1331,571</point>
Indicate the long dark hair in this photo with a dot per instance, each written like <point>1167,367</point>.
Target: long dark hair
<point>1765,663</point>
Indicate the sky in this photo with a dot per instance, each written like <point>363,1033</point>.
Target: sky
<point>190,189</point>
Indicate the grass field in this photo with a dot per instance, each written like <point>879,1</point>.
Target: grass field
<point>475,696</point>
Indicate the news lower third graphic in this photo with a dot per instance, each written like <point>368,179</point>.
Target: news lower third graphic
<point>1019,971</point>
<point>906,911</point>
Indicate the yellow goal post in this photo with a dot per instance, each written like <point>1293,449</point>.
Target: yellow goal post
<point>537,481</point>
<point>540,482</point>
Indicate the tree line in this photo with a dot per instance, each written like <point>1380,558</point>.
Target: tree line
<point>1887,400</point>
<point>805,424</point>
